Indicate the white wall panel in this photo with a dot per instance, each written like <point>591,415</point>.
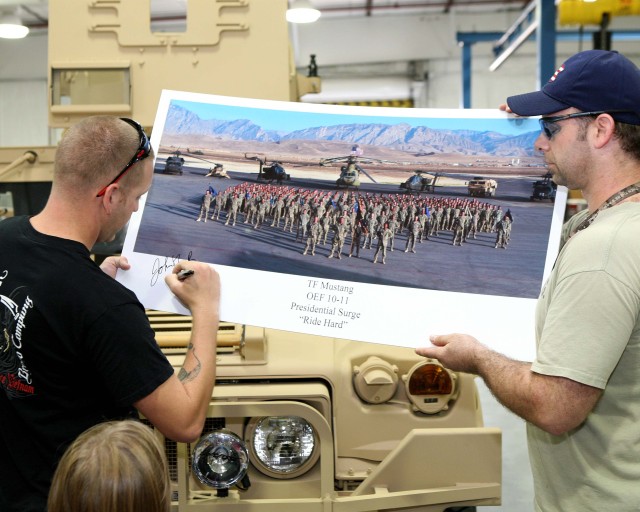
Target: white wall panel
<point>24,113</point>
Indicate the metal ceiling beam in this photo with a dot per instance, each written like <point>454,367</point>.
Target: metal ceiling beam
<point>515,35</point>
<point>537,19</point>
<point>443,5</point>
<point>546,52</point>
<point>466,40</point>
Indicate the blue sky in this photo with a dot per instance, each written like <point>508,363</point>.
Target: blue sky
<point>290,120</point>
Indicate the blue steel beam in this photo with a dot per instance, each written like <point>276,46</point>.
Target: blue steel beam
<point>546,40</point>
<point>466,40</point>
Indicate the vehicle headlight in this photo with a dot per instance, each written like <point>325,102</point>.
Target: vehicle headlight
<point>220,459</point>
<point>282,446</point>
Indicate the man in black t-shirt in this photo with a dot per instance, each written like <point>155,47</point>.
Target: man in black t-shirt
<point>76,347</point>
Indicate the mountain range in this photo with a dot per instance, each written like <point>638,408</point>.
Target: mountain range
<point>400,136</point>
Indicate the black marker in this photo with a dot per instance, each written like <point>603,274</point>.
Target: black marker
<point>183,274</point>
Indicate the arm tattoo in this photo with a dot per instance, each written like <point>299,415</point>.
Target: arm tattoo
<point>186,376</point>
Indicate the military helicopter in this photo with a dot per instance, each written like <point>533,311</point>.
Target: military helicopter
<point>273,171</point>
<point>350,172</point>
<point>419,182</point>
<point>217,171</point>
<point>174,163</point>
<point>544,188</point>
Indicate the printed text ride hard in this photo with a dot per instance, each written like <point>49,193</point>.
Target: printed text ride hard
<point>326,304</point>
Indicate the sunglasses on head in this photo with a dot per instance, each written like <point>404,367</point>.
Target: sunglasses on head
<point>144,148</point>
<point>549,125</point>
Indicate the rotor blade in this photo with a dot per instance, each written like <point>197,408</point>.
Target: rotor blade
<point>199,158</point>
<point>327,161</point>
<point>368,176</point>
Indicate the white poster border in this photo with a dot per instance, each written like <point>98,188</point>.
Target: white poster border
<point>342,309</point>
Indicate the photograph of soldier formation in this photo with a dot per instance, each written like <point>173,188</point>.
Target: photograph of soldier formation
<point>450,209</point>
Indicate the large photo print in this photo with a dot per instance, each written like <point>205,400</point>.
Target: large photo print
<point>375,224</point>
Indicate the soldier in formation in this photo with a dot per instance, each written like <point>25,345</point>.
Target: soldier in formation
<point>356,237</point>
<point>414,231</point>
<point>339,236</point>
<point>206,204</point>
<point>314,232</point>
<point>384,236</point>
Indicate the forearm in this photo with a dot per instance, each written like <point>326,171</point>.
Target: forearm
<point>554,404</point>
<point>508,380</point>
<point>179,406</point>
<point>198,371</point>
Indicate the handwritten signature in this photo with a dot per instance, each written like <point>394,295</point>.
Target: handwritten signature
<point>160,266</point>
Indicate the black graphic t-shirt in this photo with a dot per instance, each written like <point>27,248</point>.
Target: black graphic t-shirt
<point>76,349</point>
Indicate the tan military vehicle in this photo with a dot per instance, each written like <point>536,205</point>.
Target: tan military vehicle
<point>296,422</point>
<point>482,187</point>
<point>307,423</point>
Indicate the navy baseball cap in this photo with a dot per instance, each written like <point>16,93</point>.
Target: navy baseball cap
<point>591,81</point>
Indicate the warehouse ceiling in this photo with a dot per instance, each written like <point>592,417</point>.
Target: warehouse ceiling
<point>34,13</point>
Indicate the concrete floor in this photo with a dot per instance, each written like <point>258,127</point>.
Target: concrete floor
<point>517,482</point>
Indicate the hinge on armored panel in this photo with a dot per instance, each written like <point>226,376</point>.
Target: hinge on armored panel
<point>131,22</point>
<point>253,346</point>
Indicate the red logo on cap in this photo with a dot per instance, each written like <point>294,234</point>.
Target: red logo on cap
<point>555,75</point>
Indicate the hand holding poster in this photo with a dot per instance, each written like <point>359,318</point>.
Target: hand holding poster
<point>374,224</point>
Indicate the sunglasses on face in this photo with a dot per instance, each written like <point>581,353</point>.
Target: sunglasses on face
<point>549,125</point>
<point>144,148</point>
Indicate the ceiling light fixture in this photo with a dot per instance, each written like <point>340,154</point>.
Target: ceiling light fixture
<point>301,11</point>
<point>11,27</point>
